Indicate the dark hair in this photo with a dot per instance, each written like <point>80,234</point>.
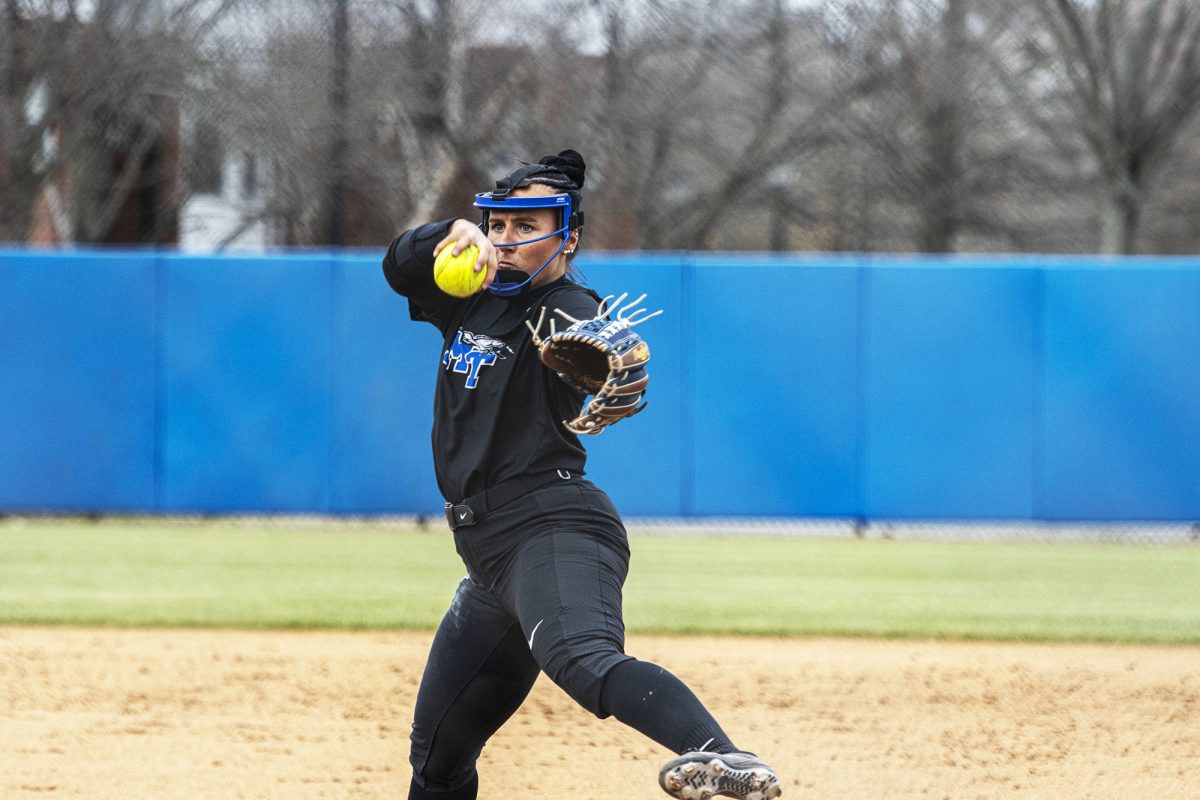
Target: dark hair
<point>564,172</point>
<point>569,164</point>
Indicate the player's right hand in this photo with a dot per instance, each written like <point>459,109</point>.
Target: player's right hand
<point>464,232</point>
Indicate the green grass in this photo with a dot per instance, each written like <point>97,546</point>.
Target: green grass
<point>962,590</point>
<point>246,575</point>
<point>224,575</point>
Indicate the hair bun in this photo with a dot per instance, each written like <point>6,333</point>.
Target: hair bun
<point>568,162</point>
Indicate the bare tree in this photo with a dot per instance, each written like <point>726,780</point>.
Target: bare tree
<point>1170,221</point>
<point>19,134</point>
<point>935,126</point>
<point>89,113</point>
<point>764,120</point>
<point>699,108</point>
<point>426,120</point>
<point>1128,71</point>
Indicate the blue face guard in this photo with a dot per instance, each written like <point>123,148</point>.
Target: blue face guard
<point>562,202</point>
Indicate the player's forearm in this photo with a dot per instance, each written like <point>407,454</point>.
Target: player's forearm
<point>408,264</point>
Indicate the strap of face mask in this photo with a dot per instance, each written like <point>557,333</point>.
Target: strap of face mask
<point>512,181</point>
<point>489,201</point>
<point>511,289</point>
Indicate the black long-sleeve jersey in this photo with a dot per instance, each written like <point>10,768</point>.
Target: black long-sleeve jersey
<point>498,411</point>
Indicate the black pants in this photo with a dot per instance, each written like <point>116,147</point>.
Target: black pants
<point>543,592</point>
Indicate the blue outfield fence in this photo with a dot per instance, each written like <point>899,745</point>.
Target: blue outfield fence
<point>1040,388</point>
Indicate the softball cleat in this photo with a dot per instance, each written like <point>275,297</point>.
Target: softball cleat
<point>700,776</point>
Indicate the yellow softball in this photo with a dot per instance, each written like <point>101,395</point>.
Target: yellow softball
<point>456,275</point>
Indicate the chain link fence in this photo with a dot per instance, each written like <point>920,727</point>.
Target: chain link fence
<point>866,125</point>
<point>948,530</point>
<point>1030,531</point>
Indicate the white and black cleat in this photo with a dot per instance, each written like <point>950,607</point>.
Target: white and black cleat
<point>700,775</point>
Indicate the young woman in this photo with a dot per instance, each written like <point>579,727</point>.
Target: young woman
<point>545,550</point>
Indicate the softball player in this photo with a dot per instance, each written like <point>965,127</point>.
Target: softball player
<point>545,550</point>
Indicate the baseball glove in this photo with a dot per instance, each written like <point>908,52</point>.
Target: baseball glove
<point>601,357</point>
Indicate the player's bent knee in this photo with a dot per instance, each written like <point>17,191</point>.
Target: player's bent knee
<point>422,790</point>
<point>440,773</point>
<point>578,667</point>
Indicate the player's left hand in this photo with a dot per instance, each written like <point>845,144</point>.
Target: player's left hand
<point>602,357</point>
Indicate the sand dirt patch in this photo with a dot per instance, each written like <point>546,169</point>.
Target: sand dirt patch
<point>107,714</point>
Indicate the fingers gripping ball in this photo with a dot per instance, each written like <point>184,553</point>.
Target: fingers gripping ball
<point>601,357</point>
<point>456,275</point>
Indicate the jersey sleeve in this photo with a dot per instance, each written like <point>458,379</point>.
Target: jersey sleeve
<point>408,267</point>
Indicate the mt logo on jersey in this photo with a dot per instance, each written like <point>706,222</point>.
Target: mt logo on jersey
<point>469,353</point>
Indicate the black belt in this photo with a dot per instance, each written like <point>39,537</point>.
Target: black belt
<point>474,508</point>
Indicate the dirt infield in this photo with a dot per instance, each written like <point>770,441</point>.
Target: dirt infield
<point>212,714</point>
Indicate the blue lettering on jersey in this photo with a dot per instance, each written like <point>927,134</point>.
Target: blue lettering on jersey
<point>469,353</point>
